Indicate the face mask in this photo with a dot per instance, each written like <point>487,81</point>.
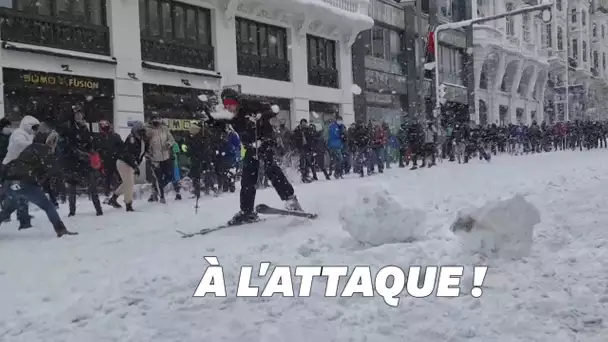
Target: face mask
<point>339,122</point>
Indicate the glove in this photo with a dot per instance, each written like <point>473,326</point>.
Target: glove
<point>175,148</point>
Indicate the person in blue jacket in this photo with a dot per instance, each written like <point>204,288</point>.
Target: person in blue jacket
<point>336,139</point>
<point>230,155</point>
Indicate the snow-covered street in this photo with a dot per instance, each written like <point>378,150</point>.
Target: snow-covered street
<point>130,277</point>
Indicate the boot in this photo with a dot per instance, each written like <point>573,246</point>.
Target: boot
<point>113,202</point>
<point>178,197</point>
<point>244,217</point>
<point>25,226</point>
<point>61,230</point>
<point>162,200</point>
<point>153,198</point>
<point>129,206</point>
<point>293,204</point>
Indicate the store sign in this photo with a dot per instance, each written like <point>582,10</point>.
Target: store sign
<point>378,99</point>
<point>456,93</point>
<point>178,124</point>
<point>454,38</point>
<point>387,13</point>
<point>382,81</point>
<point>67,81</point>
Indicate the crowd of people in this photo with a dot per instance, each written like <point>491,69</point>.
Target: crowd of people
<point>47,164</point>
<point>374,146</point>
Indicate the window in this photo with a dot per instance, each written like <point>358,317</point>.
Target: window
<point>558,5</point>
<point>386,44</point>
<point>603,31</point>
<point>596,60</point>
<point>604,61</point>
<point>526,26</point>
<point>445,7</point>
<point>322,69</point>
<point>560,38</point>
<point>585,51</point>
<point>481,11</point>
<point>262,50</point>
<point>548,36</point>
<point>594,30</point>
<point>451,64</point>
<point>87,11</point>
<point>583,18</point>
<point>573,16</point>
<point>509,21</point>
<point>574,49</point>
<point>175,22</point>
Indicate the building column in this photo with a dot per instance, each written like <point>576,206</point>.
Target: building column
<point>532,83</point>
<point>358,74</point>
<point>224,41</point>
<point>347,110</point>
<point>299,75</point>
<point>126,47</point>
<point>513,91</point>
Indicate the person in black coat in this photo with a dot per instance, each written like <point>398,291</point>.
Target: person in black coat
<point>77,146</point>
<point>108,143</point>
<point>200,149</point>
<point>129,156</point>
<point>24,177</point>
<point>251,121</point>
<point>304,142</point>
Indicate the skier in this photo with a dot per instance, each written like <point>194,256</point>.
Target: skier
<point>25,175</point>
<point>251,121</point>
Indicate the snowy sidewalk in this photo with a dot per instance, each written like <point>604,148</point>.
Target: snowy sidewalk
<point>130,277</point>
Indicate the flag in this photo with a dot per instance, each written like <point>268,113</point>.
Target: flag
<point>429,49</point>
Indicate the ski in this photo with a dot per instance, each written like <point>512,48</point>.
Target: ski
<point>267,210</point>
<point>206,231</point>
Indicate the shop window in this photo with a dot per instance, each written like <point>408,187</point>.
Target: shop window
<point>322,70</point>
<point>262,50</point>
<point>175,33</point>
<point>78,25</point>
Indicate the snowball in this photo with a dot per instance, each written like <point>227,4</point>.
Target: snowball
<point>221,114</point>
<point>275,109</point>
<point>314,115</point>
<point>501,228</point>
<point>89,98</point>
<point>355,89</point>
<point>375,218</point>
<point>203,98</point>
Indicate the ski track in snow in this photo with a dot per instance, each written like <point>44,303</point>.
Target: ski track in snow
<point>130,277</point>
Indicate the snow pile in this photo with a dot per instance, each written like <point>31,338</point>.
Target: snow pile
<point>501,228</point>
<point>374,217</point>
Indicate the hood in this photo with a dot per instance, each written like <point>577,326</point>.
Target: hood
<point>27,122</point>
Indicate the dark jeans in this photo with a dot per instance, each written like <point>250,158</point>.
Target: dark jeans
<point>337,161</point>
<point>251,167</point>
<point>15,191</point>
<point>163,175</point>
<point>89,178</point>
<point>111,173</point>
<point>23,214</point>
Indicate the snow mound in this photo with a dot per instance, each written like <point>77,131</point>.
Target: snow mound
<point>374,217</point>
<point>500,228</point>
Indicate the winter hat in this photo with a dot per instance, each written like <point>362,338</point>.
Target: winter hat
<point>303,121</point>
<point>230,97</point>
<point>137,127</point>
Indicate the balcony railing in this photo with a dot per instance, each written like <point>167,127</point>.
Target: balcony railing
<point>263,67</point>
<point>176,53</point>
<point>51,32</point>
<point>323,77</point>
<point>346,5</point>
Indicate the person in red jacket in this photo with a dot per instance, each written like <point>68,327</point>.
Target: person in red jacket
<point>378,144</point>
